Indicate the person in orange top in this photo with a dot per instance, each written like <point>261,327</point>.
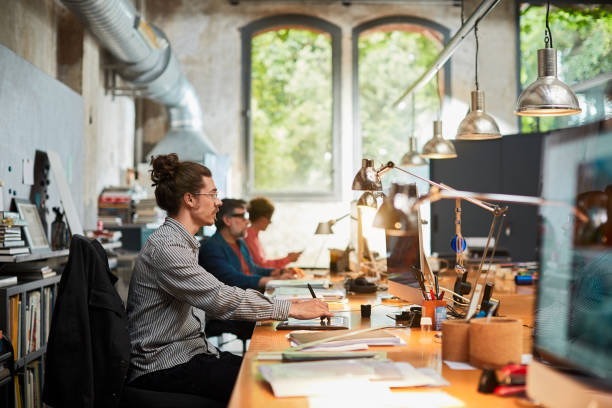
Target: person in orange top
<point>260,213</point>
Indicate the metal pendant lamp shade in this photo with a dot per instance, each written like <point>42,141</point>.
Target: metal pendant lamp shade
<point>547,96</point>
<point>413,158</point>
<point>367,179</point>
<point>438,147</point>
<point>478,125</point>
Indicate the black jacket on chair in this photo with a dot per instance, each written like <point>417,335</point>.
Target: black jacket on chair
<point>88,349</point>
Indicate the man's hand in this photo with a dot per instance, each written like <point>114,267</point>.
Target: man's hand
<point>309,309</point>
<point>293,256</point>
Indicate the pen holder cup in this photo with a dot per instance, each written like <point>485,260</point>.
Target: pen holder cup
<point>456,340</point>
<point>428,309</point>
<point>496,343</point>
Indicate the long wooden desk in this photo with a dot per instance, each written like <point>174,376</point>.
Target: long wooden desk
<point>421,350</point>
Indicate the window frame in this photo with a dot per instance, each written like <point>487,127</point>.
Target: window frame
<point>368,25</point>
<point>309,23</point>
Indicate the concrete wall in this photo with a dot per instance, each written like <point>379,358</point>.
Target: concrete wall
<point>205,34</point>
<point>47,35</point>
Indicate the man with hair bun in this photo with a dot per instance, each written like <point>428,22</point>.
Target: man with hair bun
<point>171,294</point>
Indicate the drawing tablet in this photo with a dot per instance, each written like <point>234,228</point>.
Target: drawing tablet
<point>335,323</point>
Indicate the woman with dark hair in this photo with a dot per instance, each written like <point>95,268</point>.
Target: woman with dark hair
<point>260,214</point>
<point>171,294</point>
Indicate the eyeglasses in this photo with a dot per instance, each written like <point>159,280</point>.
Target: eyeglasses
<point>213,194</point>
<point>244,215</point>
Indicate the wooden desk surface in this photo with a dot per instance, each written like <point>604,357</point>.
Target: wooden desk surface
<point>421,350</point>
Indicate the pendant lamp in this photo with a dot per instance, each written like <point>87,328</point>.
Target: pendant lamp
<point>438,147</point>
<point>477,125</point>
<point>547,96</point>
<point>412,158</point>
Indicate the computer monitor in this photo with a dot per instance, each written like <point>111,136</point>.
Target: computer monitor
<point>574,302</point>
<point>405,258</point>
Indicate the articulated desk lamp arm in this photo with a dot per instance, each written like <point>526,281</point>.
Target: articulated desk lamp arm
<point>436,195</point>
<point>369,178</point>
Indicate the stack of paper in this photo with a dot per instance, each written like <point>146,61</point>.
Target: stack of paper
<point>288,292</point>
<point>350,342</point>
<point>328,377</point>
<point>298,283</point>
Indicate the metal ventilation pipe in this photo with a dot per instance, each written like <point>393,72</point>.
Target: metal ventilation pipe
<point>147,61</point>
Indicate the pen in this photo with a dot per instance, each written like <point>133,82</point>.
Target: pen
<point>437,287</point>
<point>314,297</point>
<point>441,295</point>
<point>433,296</point>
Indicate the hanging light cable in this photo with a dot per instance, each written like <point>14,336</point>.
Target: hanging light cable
<point>477,124</point>
<point>412,158</point>
<point>437,147</point>
<point>547,96</point>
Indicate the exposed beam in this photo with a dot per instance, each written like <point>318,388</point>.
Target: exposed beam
<point>481,11</point>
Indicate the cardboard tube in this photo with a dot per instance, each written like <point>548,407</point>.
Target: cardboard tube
<point>497,343</point>
<point>456,340</point>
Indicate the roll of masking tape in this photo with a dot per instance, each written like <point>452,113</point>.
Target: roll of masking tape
<point>495,343</point>
<point>456,340</point>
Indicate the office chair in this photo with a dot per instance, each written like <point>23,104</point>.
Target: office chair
<point>87,283</point>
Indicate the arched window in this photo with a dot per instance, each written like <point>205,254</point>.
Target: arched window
<point>389,55</point>
<point>291,101</point>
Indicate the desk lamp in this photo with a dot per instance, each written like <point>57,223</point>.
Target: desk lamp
<point>390,213</point>
<point>436,194</point>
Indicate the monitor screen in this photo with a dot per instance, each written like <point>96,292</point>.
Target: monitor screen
<point>574,305</point>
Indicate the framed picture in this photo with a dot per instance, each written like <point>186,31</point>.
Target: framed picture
<point>34,231</point>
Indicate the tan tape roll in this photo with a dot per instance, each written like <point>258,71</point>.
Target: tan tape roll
<point>497,343</point>
<point>456,340</point>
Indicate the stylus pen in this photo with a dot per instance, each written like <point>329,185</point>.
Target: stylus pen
<point>314,297</point>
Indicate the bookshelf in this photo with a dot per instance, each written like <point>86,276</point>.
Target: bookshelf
<point>35,256</point>
<point>25,316</point>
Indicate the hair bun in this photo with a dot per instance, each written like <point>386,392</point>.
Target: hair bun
<point>164,168</point>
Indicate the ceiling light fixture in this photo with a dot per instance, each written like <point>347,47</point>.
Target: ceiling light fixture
<point>477,125</point>
<point>547,96</point>
<point>412,158</point>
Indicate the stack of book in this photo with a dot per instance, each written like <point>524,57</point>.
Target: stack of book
<point>29,271</point>
<point>115,206</point>
<point>146,211</point>
<point>11,235</point>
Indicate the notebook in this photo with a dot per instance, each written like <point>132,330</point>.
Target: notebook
<point>334,323</point>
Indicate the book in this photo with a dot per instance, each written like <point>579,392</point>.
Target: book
<point>31,276</point>
<point>370,338</point>
<point>6,229</point>
<point>8,280</point>
<point>329,376</point>
<point>14,251</point>
<point>11,243</point>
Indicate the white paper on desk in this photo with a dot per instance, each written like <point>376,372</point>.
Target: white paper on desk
<point>438,399</point>
<point>298,283</point>
<point>457,365</point>
<point>325,377</point>
<point>434,375</point>
<point>332,347</point>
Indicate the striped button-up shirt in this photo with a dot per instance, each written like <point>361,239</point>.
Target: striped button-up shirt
<point>169,296</point>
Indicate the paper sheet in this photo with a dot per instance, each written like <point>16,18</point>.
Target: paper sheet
<point>438,399</point>
<point>456,365</point>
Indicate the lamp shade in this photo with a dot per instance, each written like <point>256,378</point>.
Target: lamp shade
<point>367,179</point>
<point>412,158</point>
<point>367,199</point>
<point>325,228</point>
<point>547,96</point>
<point>395,215</point>
<point>478,125</point>
<point>438,147</point>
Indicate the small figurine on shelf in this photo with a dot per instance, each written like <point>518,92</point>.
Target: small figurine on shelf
<point>59,231</point>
